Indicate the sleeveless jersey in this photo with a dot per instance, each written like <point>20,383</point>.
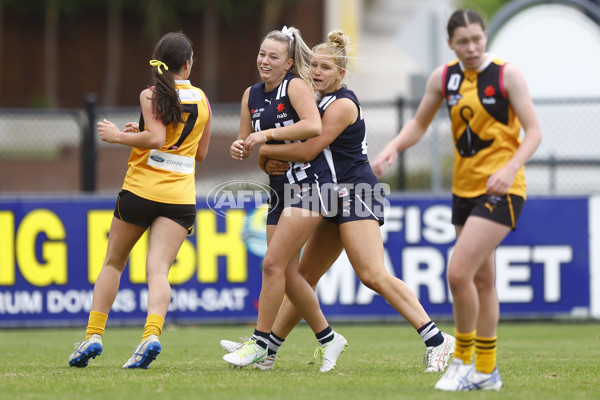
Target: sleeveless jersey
<point>484,126</point>
<point>166,175</point>
<point>274,109</point>
<point>347,154</point>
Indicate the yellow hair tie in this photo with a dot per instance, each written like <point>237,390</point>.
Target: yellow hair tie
<point>158,64</point>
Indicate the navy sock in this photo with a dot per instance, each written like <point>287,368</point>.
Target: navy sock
<point>326,335</point>
<point>275,343</point>
<point>431,335</point>
<point>262,338</point>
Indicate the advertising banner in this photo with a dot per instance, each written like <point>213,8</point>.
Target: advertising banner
<point>51,251</point>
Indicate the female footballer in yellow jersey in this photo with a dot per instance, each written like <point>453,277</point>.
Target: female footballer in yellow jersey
<point>166,175</point>
<point>489,103</point>
<point>158,193</point>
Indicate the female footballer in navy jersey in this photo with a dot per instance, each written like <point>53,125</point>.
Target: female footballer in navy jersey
<point>359,214</point>
<point>282,108</point>
<point>488,102</point>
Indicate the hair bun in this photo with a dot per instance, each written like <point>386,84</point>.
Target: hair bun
<point>339,39</point>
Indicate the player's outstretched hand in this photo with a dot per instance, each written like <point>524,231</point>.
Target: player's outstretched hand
<point>108,131</point>
<point>384,160</point>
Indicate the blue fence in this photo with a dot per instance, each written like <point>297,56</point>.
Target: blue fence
<point>52,249</point>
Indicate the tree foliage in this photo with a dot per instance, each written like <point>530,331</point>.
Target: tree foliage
<point>485,7</point>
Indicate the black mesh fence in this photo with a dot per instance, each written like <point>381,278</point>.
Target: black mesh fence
<point>46,152</point>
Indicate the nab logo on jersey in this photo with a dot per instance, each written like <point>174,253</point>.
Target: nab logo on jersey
<point>280,108</point>
<point>489,92</point>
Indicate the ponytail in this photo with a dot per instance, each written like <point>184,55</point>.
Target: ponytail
<point>170,54</point>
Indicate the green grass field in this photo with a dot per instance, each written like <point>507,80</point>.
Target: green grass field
<point>536,361</point>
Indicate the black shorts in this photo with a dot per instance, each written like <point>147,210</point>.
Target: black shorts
<point>142,212</point>
<point>502,209</point>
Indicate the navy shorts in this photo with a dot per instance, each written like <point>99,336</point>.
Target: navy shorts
<point>502,209</point>
<point>310,194</point>
<point>142,212</point>
<point>357,205</point>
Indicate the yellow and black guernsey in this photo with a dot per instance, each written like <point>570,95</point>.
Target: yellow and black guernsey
<point>166,175</point>
<point>484,126</point>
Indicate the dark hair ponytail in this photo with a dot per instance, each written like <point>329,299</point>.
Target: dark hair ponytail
<point>462,18</point>
<point>172,51</point>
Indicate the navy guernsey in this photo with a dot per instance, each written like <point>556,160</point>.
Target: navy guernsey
<point>274,109</point>
<point>347,154</point>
